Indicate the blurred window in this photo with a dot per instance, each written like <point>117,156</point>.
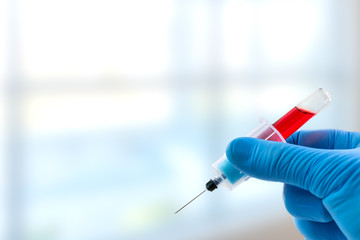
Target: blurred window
<point>114,110</point>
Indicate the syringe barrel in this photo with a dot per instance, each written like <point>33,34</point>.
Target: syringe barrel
<point>229,176</point>
<point>302,112</point>
<point>316,101</point>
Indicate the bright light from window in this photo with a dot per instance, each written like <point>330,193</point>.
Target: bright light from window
<point>236,33</point>
<point>83,111</point>
<point>287,28</point>
<point>94,38</point>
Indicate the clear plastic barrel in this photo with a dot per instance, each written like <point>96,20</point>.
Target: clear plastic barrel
<point>229,176</point>
<point>316,101</point>
<point>302,112</point>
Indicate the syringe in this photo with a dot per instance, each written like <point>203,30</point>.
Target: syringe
<point>229,176</point>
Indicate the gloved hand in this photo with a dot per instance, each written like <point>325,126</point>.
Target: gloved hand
<point>321,172</point>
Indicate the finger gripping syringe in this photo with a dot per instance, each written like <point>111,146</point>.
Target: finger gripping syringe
<point>229,176</point>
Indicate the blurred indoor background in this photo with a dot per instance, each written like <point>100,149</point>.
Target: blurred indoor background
<point>112,111</point>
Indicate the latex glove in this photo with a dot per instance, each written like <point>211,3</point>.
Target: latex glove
<point>321,170</point>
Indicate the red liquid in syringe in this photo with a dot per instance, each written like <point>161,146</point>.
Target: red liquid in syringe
<point>292,121</point>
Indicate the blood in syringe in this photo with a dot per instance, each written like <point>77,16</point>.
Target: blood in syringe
<point>292,121</point>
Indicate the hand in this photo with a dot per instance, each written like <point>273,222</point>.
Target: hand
<point>321,172</point>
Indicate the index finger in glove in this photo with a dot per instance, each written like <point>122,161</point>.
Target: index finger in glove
<point>326,139</point>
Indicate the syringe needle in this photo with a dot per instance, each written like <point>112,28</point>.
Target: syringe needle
<point>190,202</point>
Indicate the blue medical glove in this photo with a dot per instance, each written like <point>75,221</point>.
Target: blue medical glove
<point>321,172</point>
